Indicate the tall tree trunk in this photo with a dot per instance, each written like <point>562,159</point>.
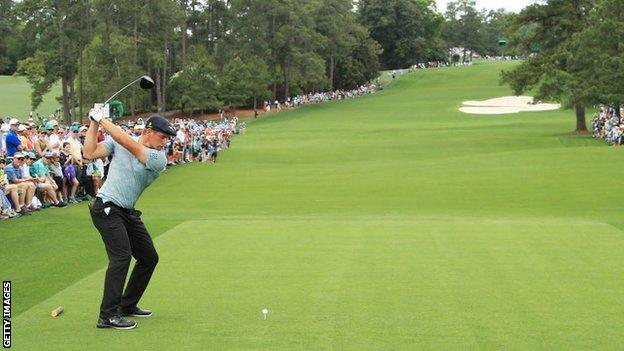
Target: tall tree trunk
<point>286,90</point>
<point>286,67</point>
<point>159,104</point>
<point>331,71</point>
<point>210,29</point>
<point>274,54</point>
<point>72,98</point>
<point>107,33</point>
<point>150,95</point>
<point>81,77</point>
<point>64,77</point>
<point>580,119</point>
<point>65,89</point>
<point>135,34</point>
<point>255,106</point>
<point>184,30</point>
<point>164,79</point>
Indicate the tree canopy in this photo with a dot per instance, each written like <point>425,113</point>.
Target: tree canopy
<point>209,54</point>
<point>551,69</point>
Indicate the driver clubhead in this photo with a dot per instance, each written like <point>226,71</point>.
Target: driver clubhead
<point>146,82</point>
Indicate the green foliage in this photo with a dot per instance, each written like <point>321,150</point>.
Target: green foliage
<point>234,85</point>
<point>58,27</point>
<point>100,78</point>
<point>243,80</point>
<point>34,69</point>
<point>550,72</point>
<point>596,55</point>
<point>196,87</point>
<point>361,65</point>
<point>463,27</point>
<point>6,31</point>
<point>95,47</point>
<point>406,30</point>
<point>492,31</point>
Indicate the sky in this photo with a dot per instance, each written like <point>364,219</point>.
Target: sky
<point>509,5</point>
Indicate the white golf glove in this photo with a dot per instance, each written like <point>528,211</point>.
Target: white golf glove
<point>99,112</point>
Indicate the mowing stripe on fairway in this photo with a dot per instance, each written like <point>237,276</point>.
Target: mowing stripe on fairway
<point>373,282</point>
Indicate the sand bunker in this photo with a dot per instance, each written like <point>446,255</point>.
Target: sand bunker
<point>505,105</point>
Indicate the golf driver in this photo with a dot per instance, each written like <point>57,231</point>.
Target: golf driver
<point>145,82</point>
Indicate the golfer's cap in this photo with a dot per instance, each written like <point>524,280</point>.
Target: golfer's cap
<point>160,124</point>
<point>75,128</point>
<point>30,155</point>
<point>83,129</point>
<point>14,121</point>
<point>21,128</point>
<point>48,154</point>
<point>18,155</point>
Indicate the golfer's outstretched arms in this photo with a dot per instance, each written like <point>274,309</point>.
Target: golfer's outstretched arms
<point>91,149</point>
<point>123,139</point>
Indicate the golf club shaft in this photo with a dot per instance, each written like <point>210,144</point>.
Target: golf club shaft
<point>122,89</point>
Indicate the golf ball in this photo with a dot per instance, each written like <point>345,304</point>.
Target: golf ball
<point>265,311</point>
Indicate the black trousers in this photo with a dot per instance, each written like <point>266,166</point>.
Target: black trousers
<point>124,236</point>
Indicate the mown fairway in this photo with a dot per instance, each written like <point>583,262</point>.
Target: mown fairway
<point>15,98</point>
<point>390,222</point>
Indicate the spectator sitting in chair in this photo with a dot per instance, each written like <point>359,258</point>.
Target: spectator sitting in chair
<point>70,179</point>
<point>40,170</point>
<point>53,142</point>
<point>8,190</point>
<point>25,185</point>
<point>56,172</point>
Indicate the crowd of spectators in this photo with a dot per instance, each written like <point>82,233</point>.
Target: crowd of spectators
<point>608,124</point>
<point>42,165</point>
<point>318,97</point>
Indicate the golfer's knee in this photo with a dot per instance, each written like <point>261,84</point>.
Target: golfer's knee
<point>120,260</point>
<point>151,259</point>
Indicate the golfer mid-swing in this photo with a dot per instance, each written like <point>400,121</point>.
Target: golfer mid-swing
<point>135,165</point>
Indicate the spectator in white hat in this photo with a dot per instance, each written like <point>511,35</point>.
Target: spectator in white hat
<point>21,134</point>
<point>13,143</point>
